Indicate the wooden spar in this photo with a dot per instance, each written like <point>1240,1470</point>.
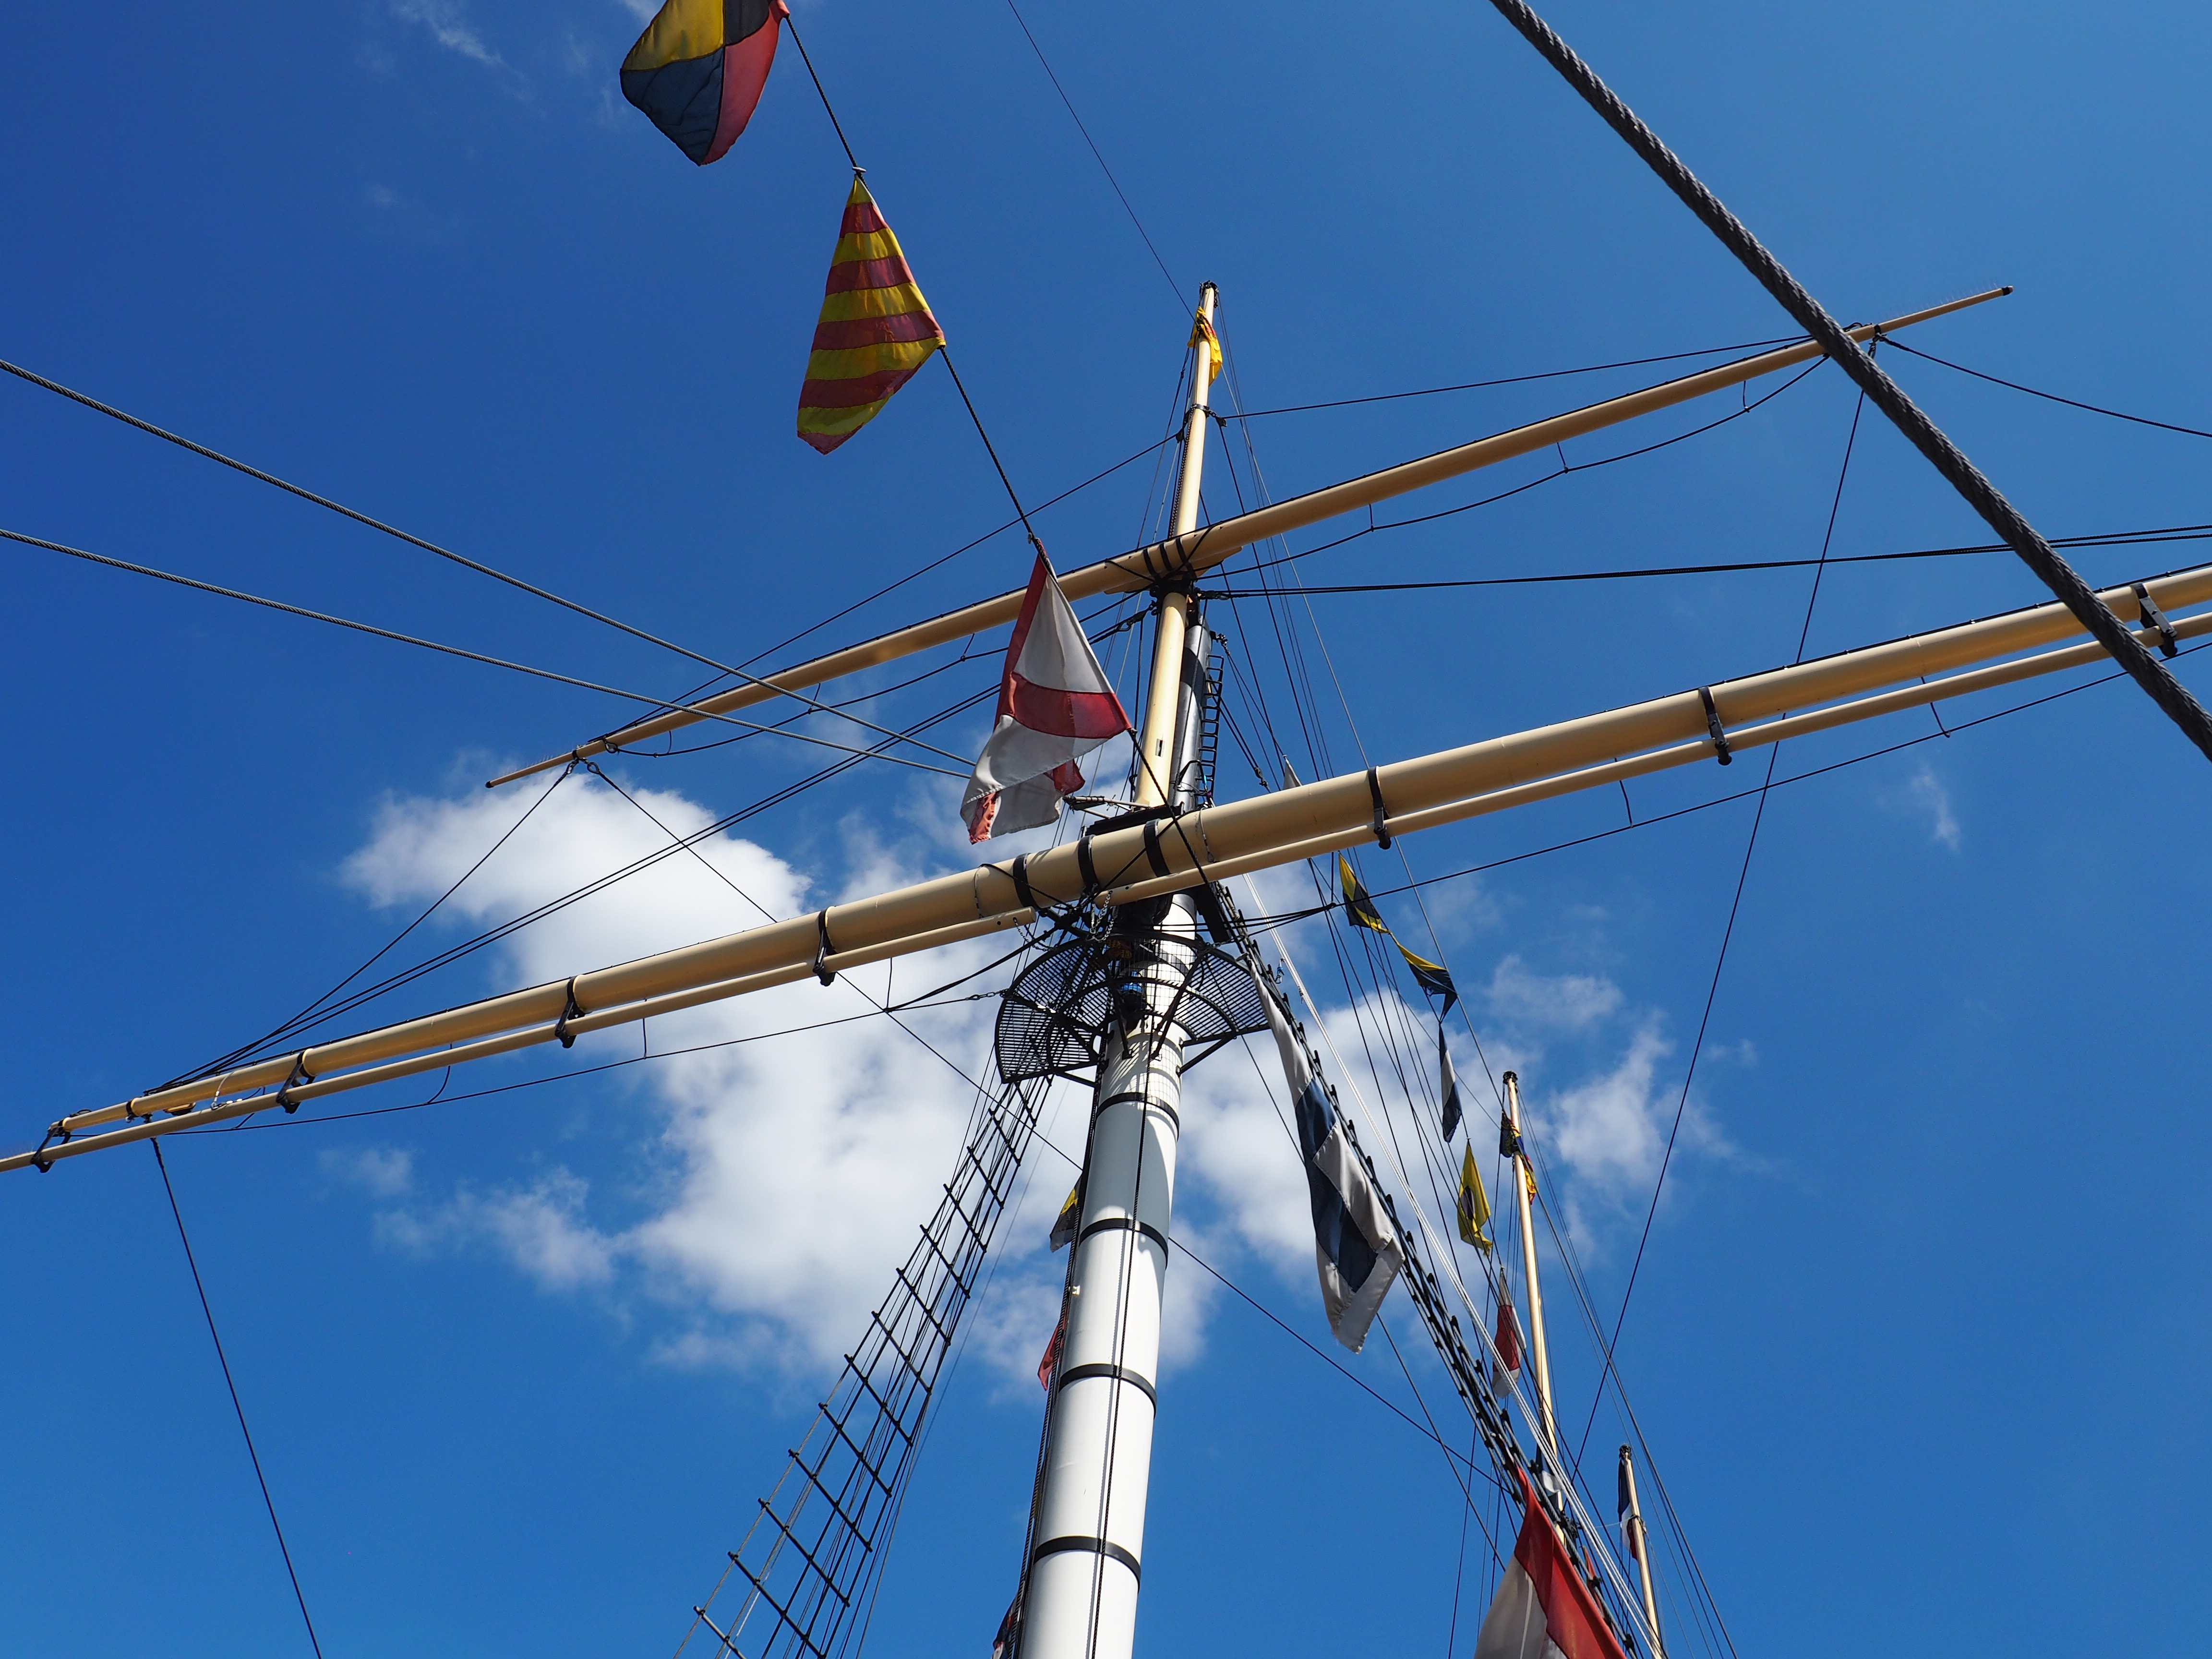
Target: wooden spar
<point>1203,549</point>
<point>1210,844</point>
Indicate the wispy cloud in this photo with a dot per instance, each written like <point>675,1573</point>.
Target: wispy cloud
<point>538,1227</point>
<point>381,1172</point>
<point>1925,795</point>
<point>450,29</point>
<point>1569,1002</point>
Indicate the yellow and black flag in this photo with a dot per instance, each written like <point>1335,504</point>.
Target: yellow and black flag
<point>1430,976</point>
<point>1474,1203</point>
<point>1358,907</point>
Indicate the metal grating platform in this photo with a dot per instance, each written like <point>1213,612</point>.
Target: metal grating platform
<point>1051,1017</point>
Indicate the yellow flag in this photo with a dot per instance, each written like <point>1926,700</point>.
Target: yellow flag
<point>1473,1202</point>
<point>1203,329</point>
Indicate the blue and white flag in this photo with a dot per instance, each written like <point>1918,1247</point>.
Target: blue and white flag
<point>1355,1247</point>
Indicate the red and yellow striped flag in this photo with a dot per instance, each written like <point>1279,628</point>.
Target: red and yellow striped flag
<point>874,332</point>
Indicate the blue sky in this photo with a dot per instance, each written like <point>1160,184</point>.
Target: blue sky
<point>1917,1335</point>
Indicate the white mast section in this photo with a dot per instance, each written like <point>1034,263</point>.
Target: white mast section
<point>1639,1546</point>
<point>1087,1534</point>
<point>1540,1351</point>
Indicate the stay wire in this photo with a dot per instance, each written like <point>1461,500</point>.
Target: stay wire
<point>230,1383</point>
<point>946,558</point>
<point>659,703</point>
<point>943,350</point>
<point>1728,932</point>
<point>2048,397</point>
<point>2120,538</point>
<point>394,531</point>
<point>308,1012</point>
<point>514,924</point>
<point>1120,194</point>
<point>1514,379</point>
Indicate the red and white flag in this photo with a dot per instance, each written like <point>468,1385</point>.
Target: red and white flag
<point>1054,707</point>
<point>1544,1609</point>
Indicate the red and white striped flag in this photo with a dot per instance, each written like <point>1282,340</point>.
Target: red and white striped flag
<point>1544,1610</point>
<point>1055,706</point>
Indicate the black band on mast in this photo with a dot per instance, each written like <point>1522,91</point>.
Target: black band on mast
<point>299,1075</point>
<point>826,975</point>
<point>1722,752</point>
<point>2169,642</point>
<point>572,1012</point>
<point>1374,793</point>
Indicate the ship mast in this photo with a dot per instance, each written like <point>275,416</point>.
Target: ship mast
<point>1085,1546</point>
<point>1639,1545</point>
<point>1524,1182</point>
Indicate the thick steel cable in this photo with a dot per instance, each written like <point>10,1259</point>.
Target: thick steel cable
<point>1960,473</point>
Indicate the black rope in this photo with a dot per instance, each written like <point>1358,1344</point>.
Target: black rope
<point>1562,471</point>
<point>943,350</point>
<point>222,1359</point>
<point>344,511</point>
<point>308,1012</point>
<point>836,124</point>
<point>659,703</point>
<point>1510,380</point>
<point>1960,473</point>
<point>946,558</point>
<point>2123,539</point>
<point>1102,167</point>
<point>2050,397</point>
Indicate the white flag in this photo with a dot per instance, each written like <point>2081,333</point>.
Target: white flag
<point>1054,707</point>
<point>1355,1247</point>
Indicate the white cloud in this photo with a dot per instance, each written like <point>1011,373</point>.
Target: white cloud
<point>382,196</point>
<point>789,1175</point>
<point>775,1185</point>
<point>1925,796</point>
<point>380,1172</point>
<point>449,29</point>
<point>1563,1002</point>
<point>539,1228</point>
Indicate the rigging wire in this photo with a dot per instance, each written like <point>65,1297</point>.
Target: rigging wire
<point>230,1383</point>
<point>1119,193</point>
<point>343,511</point>
<point>2048,397</point>
<point>1563,470</point>
<point>944,348</point>
<point>946,558</point>
<point>513,924</point>
<point>2124,538</point>
<point>559,778</point>
<point>499,662</point>
<point>1728,932</point>
<point>1518,380</point>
